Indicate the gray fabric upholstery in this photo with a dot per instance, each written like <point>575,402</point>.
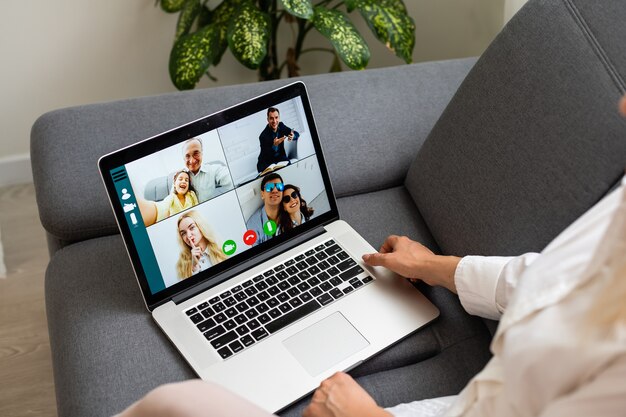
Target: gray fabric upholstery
<point>377,118</point>
<point>532,138</point>
<point>529,141</point>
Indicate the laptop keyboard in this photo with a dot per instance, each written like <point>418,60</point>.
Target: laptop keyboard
<point>241,316</point>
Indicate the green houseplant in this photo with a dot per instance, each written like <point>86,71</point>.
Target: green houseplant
<point>249,29</point>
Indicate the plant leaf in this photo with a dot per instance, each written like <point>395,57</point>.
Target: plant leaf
<point>188,14</point>
<point>222,16</point>
<point>299,8</point>
<point>344,37</point>
<point>391,24</point>
<point>248,34</point>
<point>172,6</point>
<point>191,56</point>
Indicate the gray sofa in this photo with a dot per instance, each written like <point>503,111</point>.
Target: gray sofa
<point>493,156</point>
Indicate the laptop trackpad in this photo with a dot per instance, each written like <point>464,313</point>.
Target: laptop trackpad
<point>325,343</point>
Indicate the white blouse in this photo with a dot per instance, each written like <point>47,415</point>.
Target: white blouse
<point>546,361</point>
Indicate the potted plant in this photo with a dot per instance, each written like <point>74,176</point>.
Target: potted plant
<point>248,28</point>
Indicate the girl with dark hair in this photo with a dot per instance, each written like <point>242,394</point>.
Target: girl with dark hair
<point>294,211</point>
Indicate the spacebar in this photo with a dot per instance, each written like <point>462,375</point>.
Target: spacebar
<point>292,316</point>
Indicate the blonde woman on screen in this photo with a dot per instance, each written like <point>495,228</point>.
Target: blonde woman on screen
<point>199,249</point>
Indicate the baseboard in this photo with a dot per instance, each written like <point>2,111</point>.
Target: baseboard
<point>15,169</point>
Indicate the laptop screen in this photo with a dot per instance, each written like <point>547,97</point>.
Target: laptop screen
<point>211,194</point>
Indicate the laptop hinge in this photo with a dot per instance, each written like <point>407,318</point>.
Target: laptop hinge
<point>218,279</point>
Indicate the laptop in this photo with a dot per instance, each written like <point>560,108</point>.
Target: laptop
<point>233,232</point>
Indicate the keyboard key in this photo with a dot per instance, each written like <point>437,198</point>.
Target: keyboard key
<point>310,252</point>
<point>295,302</point>
<point>292,270</point>
<point>208,312</point>
<point>285,307</point>
<point>300,257</point>
<point>274,313</point>
<point>325,299</point>
<point>262,308</point>
<point>313,282</point>
<point>312,260</point>
<point>284,285</point>
<point>247,283</point>
<point>290,262</point>
<point>224,339</point>
<point>268,273</point>
<point>271,280</point>
<point>253,324</point>
<point>367,279</point>
<point>348,290</point>
<point>230,301</point>
<point>293,291</point>
<point>219,307</point>
<point>282,275</point>
<point>196,318</point>
<point>315,292</point>
<point>326,286</point>
<point>236,289</point>
<point>294,280</point>
<point>257,278</point>
<point>319,247</point>
<point>247,340</point>
<point>329,243</point>
<point>241,330</point>
<point>302,265</point>
<point>336,281</point>
<point>203,305</point>
<point>252,301</point>
<point>260,334</point>
<point>324,276</point>
<point>206,325</point>
<point>225,352</point>
<point>191,311</point>
<point>236,346</point>
<point>332,250</point>
<point>347,264</point>
<point>220,317</point>
<point>303,286</point>
<point>242,306</point>
<point>342,255</point>
<point>321,256</point>
<point>314,270</point>
<point>272,302</point>
<point>279,268</point>
<point>351,273</point>
<point>230,324</point>
<point>336,293</point>
<point>292,316</point>
<point>282,297</point>
<point>333,271</point>
<point>252,313</point>
<point>214,332</point>
<point>261,286</point>
<point>241,319</point>
<point>304,275</point>
<point>306,297</point>
<point>214,300</point>
<point>273,290</point>
<point>264,318</point>
<point>333,260</point>
<point>251,291</point>
<point>323,265</point>
<point>225,294</point>
<point>240,296</point>
<point>263,296</point>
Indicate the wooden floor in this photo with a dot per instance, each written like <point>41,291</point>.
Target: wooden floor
<point>26,385</point>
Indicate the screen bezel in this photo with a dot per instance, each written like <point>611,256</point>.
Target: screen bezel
<point>198,127</point>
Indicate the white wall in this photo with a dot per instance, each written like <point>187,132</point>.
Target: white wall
<point>70,52</point>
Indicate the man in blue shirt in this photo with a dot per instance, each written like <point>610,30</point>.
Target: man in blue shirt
<point>272,140</point>
<point>266,220</point>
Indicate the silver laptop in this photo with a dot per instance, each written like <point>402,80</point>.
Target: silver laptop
<point>234,235</point>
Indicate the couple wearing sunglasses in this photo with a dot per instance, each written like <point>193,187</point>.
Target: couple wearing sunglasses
<point>283,209</point>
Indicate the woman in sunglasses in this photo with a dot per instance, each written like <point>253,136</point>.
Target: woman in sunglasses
<point>295,211</point>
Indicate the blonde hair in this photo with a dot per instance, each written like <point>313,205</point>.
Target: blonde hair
<point>184,266</point>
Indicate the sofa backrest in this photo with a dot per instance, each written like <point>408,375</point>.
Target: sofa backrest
<point>364,118</point>
<point>532,138</point>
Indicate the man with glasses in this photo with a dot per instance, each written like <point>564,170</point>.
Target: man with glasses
<point>266,220</point>
<point>206,178</point>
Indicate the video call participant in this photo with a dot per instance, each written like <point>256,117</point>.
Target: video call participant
<point>206,177</point>
<point>181,198</point>
<point>272,195</point>
<point>272,140</point>
<point>199,249</point>
<point>295,210</point>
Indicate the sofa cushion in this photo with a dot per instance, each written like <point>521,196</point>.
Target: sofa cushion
<point>532,138</point>
<point>371,124</point>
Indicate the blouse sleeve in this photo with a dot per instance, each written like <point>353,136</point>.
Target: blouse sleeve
<point>485,283</point>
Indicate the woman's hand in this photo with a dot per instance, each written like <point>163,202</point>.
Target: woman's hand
<point>415,261</point>
<point>341,396</point>
<point>196,254</point>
